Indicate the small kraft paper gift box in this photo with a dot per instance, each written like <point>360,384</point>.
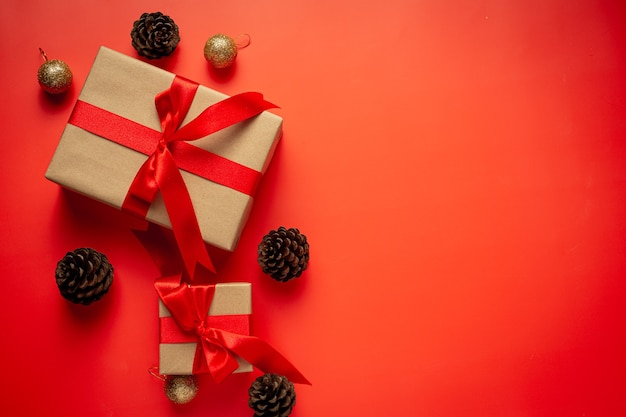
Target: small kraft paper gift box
<point>229,310</point>
<point>205,329</point>
<point>111,137</point>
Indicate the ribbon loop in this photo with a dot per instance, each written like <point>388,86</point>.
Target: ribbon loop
<point>173,104</point>
<point>215,356</point>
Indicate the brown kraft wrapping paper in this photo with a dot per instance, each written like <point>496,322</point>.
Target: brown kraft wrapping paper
<point>103,170</point>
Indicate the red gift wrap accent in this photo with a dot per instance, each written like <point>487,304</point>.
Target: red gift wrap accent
<point>217,347</point>
<point>171,332</point>
<point>168,151</point>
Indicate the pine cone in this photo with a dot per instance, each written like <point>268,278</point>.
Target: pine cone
<point>154,35</point>
<point>272,395</point>
<point>283,254</point>
<point>84,276</point>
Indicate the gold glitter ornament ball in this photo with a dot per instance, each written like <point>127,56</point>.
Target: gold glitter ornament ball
<point>220,50</point>
<point>180,389</point>
<point>54,75</point>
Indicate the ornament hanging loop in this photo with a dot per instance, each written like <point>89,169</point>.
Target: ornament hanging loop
<point>43,55</point>
<point>154,371</point>
<point>243,40</point>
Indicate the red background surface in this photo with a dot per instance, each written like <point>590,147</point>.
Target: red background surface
<point>458,168</point>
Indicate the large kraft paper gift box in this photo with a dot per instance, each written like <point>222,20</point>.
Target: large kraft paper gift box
<point>104,170</point>
<point>230,310</point>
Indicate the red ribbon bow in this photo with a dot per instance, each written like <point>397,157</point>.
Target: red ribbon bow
<point>189,306</point>
<point>160,172</point>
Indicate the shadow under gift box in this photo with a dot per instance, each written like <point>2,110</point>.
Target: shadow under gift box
<point>104,170</point>
<point>231,309</point>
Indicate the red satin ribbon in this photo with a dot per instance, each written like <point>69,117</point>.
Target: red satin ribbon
<point>160,172</point>
<point>170,331</point>
<point>217,347</point>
